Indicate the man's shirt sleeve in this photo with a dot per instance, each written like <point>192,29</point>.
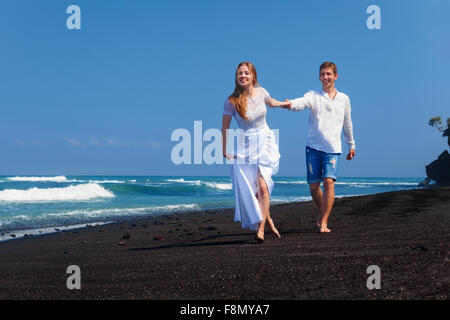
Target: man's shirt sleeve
<point>303,102</point>
<point>348,126</point>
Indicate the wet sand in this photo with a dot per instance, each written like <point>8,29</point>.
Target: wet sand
<point>205,255</point>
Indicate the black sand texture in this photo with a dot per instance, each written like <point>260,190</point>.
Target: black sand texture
<point>208,256</point>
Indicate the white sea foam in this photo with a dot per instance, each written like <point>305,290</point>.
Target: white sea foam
<point>81,192</point>
<point>156,184</point>
<point>214,185</point>
<point>175,207</point>
<point>220,186</point>
<point>290,199</point>
<point>106,181</point>
<point>40,231</point>
<point>124,211</point>
<point>356,184</point>
<point>175,180</point>
<point>291,182</point>
<point>37,179</point>
<point>368,184</point>
<point>79,215</point>
<point>194,182</point>
<point>309,198</point>
<point>96,181</point>
<point>352,195</point>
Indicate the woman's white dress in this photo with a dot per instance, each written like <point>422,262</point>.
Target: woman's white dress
<point>256,149</point>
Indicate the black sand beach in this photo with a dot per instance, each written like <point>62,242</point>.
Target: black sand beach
<point>208,256</point>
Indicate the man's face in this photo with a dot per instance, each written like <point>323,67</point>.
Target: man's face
<point>327,77</point>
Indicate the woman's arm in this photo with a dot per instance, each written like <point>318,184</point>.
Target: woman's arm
<point>226,120</point>
<point>273,103</point>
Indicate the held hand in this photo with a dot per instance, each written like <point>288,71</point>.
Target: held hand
<point>351,154</point>
<point>286,104</point>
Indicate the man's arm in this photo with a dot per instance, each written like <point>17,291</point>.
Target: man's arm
<point>301,103</point>
<point>348,131</point>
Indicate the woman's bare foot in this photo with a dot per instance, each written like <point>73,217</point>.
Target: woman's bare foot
<point>272,228</point>
<point>260,236</point>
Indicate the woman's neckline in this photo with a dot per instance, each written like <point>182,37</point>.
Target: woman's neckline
<point>255,94</point>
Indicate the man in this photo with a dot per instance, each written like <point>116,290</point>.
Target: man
<point>330,112</point>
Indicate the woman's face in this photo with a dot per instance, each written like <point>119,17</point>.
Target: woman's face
<point>244,76</point>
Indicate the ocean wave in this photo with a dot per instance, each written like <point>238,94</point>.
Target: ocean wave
<point>88,216</point>
<point>181,180</point>
<point>125,211</point>
<point>356,184</point>
<point>170,189</point>
<point>291,182</point>
<point>106,181</point>
<point>37,179</point>
<point>220,186</point>
<point>368,184</point>
<point>279,200</point>
<point>62,179</point>
<point>97,181</point>
<point>213,185</point>
<point>289,199</point>
<point>80,192</point>
<point>45,230</point>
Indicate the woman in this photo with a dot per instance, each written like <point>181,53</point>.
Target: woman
<point>257,153</point>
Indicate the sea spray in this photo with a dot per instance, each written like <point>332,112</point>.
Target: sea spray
<point>80,192</point>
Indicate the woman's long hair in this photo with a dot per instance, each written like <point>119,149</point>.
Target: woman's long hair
<point>239,97</point>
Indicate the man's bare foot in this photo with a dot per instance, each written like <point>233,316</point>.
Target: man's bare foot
<point>272,228</point>
<point>319,221</point>
<point>324,229</point>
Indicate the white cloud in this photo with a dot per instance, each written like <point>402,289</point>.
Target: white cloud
<point>95,142</point>
<point>111,142</point>
<point>73,142</point>
<point>20,142</point>
<point>153,144</point>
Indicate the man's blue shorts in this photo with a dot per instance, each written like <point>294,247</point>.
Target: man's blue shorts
<point>321,165</point>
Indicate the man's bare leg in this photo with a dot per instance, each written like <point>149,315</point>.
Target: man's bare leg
<point>316,193</point>
<point>327,203</point>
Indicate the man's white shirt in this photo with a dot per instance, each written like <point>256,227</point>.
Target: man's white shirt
<point>327,118</point>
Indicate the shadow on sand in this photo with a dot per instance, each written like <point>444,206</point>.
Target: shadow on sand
<point>249,240</point>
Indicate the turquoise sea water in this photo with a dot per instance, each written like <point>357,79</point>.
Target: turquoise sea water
<point>31,203</point>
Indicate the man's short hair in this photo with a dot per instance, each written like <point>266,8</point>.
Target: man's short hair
<point>328,64</point>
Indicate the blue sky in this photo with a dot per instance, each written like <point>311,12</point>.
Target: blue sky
<point>105,99</point>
